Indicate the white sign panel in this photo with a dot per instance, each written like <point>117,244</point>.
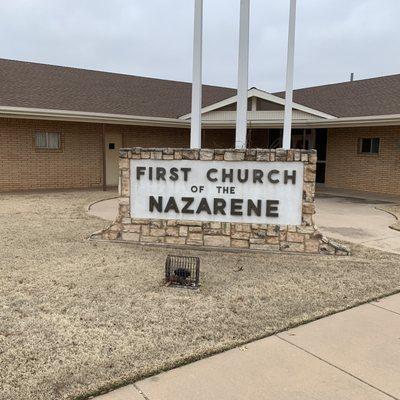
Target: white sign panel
<point>243,192</point>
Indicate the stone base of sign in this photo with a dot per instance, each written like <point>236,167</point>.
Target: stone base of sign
<point>304,238</point>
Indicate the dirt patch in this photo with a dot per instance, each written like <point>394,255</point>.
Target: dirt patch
<point>77,317</point>
<point>393,209</point>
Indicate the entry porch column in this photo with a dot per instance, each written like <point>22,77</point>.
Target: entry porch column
<point>243,75</point>
<point>195,130</point>
<point>287,126</point>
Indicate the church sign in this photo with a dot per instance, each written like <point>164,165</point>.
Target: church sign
<point>253,199</point>
<point>223,191</point>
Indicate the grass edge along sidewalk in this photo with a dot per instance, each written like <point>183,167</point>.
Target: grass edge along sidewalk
<point>80,317</point>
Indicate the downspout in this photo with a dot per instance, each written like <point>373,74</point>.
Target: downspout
<point>103,141</point>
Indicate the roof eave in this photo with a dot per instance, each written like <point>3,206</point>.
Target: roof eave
<point>81,116</point>
<point>373,120</point>
<point>370,120</point>
<point>122,119</point>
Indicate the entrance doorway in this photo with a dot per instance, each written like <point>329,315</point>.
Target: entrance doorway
<point>306,139</point>
<point>301,139</point>
<point>113,143</point>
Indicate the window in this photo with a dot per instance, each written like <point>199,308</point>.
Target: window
<point>47,140</point>
<point>369,146</point>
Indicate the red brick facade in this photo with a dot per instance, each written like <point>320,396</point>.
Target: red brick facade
<point>79,162</point>
<point>347,168</point>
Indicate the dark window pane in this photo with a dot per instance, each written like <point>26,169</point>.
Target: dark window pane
<point>375,145</point>
<point>320,143</point>
<point>365,145</point>
<point>275,138</point>
<point>297,131</point>
<point>320,178</point>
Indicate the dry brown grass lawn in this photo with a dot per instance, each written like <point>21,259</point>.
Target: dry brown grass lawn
<point>77,317</point>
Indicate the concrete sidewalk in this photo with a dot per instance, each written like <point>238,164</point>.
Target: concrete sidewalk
<point>357,221</point>
<point>351,355</point>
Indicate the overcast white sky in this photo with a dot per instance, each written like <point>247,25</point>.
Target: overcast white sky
<point>154,38</point>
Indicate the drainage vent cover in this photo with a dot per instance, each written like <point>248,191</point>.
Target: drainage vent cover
<point>182,271</point>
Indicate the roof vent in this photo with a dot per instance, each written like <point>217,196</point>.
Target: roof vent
<point>351,76</point>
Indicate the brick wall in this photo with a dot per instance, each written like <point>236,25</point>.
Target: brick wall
<point>347,168</point>
<point>79,162</point>
<point>148,136</point>
<point>218,138</point>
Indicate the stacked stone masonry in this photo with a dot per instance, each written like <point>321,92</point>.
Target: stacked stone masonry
<point>303,238</point>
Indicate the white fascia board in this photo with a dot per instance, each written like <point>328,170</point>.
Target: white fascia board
<point>265,96</point>
<point>370,120</point>
<point>259,124</point>
<point>275,99</point>
<point>215,106</point>
<point>79,116</point>
<point>377,120</point>
<point>122,119</point>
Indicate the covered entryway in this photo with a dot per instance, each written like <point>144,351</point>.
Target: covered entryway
<point>113,142</point>
<point>307,139</point>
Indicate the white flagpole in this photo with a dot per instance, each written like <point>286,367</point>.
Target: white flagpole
<point>287,127</point>
<point>243,75</point>
<point>195,131</point>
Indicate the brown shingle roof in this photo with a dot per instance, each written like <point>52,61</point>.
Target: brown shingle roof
<point>33,85</point>
<point>374,96</point>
